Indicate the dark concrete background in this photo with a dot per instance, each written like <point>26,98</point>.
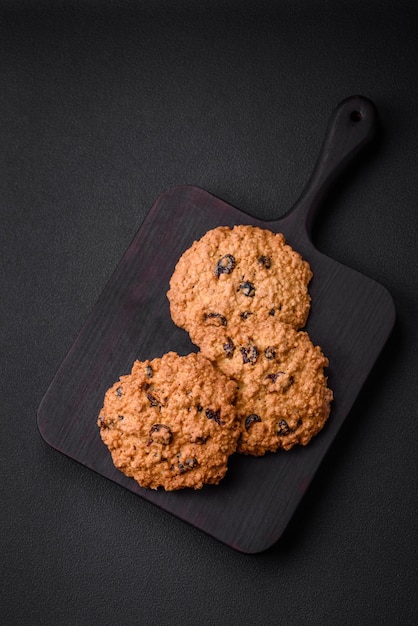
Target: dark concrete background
<point>104,105</point>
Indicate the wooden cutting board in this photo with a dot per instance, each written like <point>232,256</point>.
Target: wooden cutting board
<point>351,318</point>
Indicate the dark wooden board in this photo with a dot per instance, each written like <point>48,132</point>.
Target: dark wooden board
<point>351,318</point>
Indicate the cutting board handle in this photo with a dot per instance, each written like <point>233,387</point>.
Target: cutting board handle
<point>352,125</point>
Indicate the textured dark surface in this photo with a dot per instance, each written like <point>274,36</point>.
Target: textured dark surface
<point>103,107</point>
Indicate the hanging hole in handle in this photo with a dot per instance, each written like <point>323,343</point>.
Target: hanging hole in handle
<point>356,116</point>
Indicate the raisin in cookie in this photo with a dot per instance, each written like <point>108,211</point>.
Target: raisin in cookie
<point>232,274</point>
<point>171,422</point>
<point>283,397</point>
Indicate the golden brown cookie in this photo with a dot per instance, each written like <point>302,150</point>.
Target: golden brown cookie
<point>283,397</point>
<point>171,422</point>
<point>232,274</point>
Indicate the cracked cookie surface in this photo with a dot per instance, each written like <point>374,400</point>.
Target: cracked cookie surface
<point>283,397</point>
<point>232,274</point>
<point>171,422</point>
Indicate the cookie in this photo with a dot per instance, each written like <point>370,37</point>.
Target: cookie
<point>171,422</point>
<point>232,274</point>
<point>283,397</point>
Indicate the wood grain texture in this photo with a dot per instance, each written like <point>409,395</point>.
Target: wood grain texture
<point>351,318</point>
